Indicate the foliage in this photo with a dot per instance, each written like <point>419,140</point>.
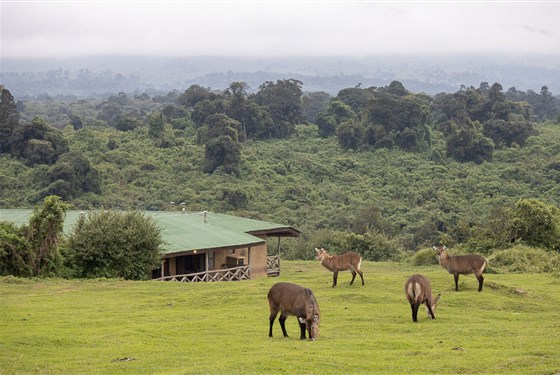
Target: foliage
<point>114,244</point>
<point>282,99</point>
<point>525,259</point>
<point>71,176</point>
<point>424,257</point>
<point>44,236</point>
<point>537,223</point>
<point>15,252</point>
<point>350,135</point>
<point>465,142</point>
<point>308,180</point>
<point>9,118</point>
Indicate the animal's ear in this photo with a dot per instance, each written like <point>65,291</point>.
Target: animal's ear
<point>444,247</point>
<point>317,250</point>
<point>316,318</point>
<point>301,320</point>
<point>434,247</point>
<point>437,297</point>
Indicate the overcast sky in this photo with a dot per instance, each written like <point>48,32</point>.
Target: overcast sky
<point>275,28</point>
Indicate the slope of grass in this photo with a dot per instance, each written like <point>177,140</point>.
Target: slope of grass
<point>114,326</point>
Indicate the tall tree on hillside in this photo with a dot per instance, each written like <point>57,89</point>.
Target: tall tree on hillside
<point>193,95</point>
<point>283,101</point>
<point>402,118</point>
<point>9,118</point>
<point>38,142</point>
<point>222,148</point>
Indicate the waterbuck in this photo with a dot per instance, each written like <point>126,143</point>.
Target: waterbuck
<point>419,291</point>
<point>347,261</point>
<point>293,299</point>
<point>462,265</point>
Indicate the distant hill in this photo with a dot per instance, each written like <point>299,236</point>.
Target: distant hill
<point>419,73</point>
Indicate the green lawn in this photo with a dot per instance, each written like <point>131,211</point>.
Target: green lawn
<point>112,326</point>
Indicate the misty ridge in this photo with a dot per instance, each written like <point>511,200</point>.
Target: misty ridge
<point>101,76</point>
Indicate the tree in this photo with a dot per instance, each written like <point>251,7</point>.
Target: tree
<point>314,103</point>
<point>156,124</point>
<point>505,133</point>
<point>356,98</point>
<point>237,105</point>
<point>15,252</point>
<point>283,101</point>
<point>44,235</point>
<point>38,142</point>
<point>193,95</point>
<point>76,122</point>
<point>350,135</point>
<point>9,118</point>
<point>126,123</point>
<point>73,175</point>
<point>467,143</point>
<point>222,152</point>
<point>403,119</point>
<point>340,111</point>
<point>258,123</point>
<point>537,223</point>
<point>206,108</point>
<point>326,125</point>
<point>115,244</point>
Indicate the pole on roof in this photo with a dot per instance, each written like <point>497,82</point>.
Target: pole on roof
<point>278,245</point>
<point>162,269</point>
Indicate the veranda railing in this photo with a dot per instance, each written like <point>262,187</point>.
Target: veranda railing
<point>228,274</point>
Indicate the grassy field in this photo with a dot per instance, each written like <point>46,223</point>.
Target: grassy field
<point>114,326</point>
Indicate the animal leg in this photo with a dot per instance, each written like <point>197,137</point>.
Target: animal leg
<point>362,276</point>
<point>302,328</point>
<point>272,317</point>
<point>335,277</point>
<point>480,281</point>
<point>456,276</point>
<point>414,312</point>
<point>353,276</point>
<point>282,321</point>
<point>430,310</point>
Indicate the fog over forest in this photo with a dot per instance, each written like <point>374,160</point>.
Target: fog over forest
<point>431,74</point>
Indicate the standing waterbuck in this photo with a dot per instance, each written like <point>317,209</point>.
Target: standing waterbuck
<point>293,299</point>
<point>462,265</point>
<point>347,261</point>
<point>419,291</point>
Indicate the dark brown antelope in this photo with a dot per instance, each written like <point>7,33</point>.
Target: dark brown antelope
<point>462,265</point>
<point>347,261</point>
<point>419,291</point>
<point>293,299</point>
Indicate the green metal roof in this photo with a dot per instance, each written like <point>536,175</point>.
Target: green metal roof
<point>187,231</point>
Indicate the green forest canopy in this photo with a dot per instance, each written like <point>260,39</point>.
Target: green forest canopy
<point>402,170</point>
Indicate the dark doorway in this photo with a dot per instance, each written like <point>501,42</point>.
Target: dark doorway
<point>190,264</point>
<point>156,273</point>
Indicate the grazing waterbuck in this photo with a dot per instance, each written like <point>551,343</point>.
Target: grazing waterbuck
<point>462,265</point>
<point>293,299</point>
<point>419,291</point>
<point>347,261</point>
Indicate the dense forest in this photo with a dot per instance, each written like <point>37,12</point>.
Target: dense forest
<point>379,169</point>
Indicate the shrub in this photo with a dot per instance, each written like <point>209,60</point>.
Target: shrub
<point>115,245</point>
<point>424,257</point>
<point>525,259</point>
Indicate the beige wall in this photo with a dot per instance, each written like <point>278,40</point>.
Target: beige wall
<point>172,266</point>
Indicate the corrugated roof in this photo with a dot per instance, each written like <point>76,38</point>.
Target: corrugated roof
<point>187,231</point>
